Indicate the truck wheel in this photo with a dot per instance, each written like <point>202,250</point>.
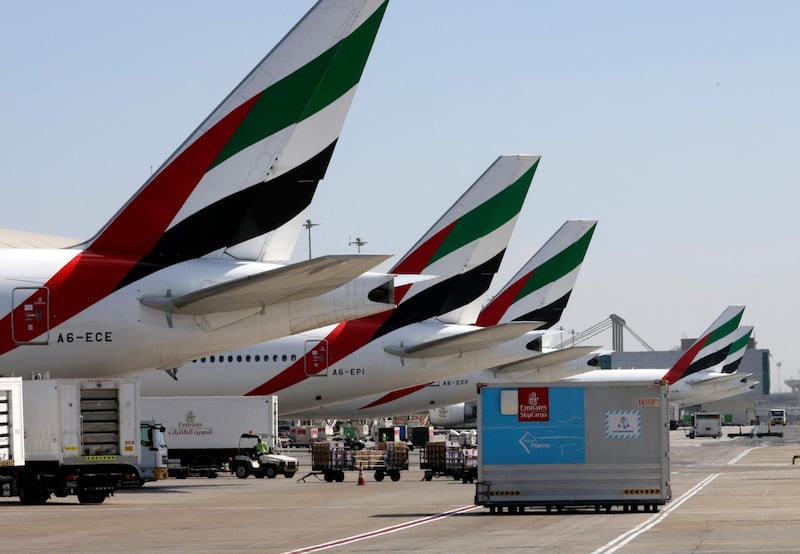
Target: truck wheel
<point>395,475</point>
<point>288,474</point>
<point>339,475</point>
<point>241,472</point>
<point>428,475</point>
<point>329,477</point>
<point>271,472</point>
<point>91,497</point>
<point>378,475</point>
<point>31,491</point>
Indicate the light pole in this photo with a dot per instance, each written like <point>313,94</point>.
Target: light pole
<point>308,225</point>
<point>359,243</point>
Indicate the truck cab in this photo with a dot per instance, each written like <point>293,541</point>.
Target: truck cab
<point>777,416</point>
<point>154,452</point>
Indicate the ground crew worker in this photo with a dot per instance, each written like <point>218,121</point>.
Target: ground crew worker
<point>261,447</point>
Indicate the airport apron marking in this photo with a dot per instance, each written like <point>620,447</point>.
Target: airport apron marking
<point>384,531</point>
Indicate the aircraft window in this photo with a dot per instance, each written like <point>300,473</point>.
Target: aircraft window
<point>194,361</point>
<point>274,357</point>
<point>230,358</point>
<point>211,359</point>
<point>239,358</point>
<point>203,359</point>
<point>247,358</point>
<point>294,357</point>
<point>258,357</point>
<point>283,357</point>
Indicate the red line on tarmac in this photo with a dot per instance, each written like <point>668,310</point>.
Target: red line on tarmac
<point>384,531</point>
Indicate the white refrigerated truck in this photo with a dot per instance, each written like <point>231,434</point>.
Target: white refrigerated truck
<point>575,445</point>
<point>68,437</point>
<point>202,432</point>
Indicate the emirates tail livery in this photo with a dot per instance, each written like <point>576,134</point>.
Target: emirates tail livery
<point>718,346</point>
<point>449,268</point>
<point>710,385</point>
<point>181,270</point>
<point>538,292</point>
<point>701,362</point>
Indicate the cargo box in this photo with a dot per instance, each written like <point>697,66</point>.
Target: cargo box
<point>576,445</point>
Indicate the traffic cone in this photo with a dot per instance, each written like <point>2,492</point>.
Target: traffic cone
<point>361,475</point>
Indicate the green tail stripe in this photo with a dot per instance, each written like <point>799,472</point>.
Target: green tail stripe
<point>489,216</point>
<point>739,344</point>
<point>308,90</point>
<point>559,265</point>
<point>725,329</point>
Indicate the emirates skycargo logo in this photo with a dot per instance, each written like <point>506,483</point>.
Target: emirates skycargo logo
<point>534,404</point>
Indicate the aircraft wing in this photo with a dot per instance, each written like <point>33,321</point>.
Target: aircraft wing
<point>549,365</point>
<point>466,342</point>
<point>292,282</point>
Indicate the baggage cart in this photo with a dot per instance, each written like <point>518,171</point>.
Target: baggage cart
<point>449,458</point>
<point>332,459</point>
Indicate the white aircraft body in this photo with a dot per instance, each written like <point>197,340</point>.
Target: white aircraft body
<point>375,355</point>
<point>182,269</point>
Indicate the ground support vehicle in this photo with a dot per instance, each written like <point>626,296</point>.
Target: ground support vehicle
<point>573,445</point>
<point>448,459</point>
<point>154,454</point>
<point>706,424</point>
<point>247,461</point>
<point>332,459</point>
<point>777,416</point>
<point>68,437</point>
<point>202,432</point>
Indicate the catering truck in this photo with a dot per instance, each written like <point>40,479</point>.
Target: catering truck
<point>573,445</point>
<point>68,437</point>
<point>202,432</point>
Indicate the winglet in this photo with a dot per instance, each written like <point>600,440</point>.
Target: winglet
<point>540,290</point>
<point>711,348</point>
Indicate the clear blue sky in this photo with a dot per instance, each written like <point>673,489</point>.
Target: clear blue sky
<point>674,124</point>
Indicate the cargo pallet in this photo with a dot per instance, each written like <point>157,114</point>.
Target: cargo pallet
<point>449,459</point>
<point>332,460</point>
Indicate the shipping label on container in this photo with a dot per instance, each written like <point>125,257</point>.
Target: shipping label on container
<point>511,438</point>
<point>623,424</point>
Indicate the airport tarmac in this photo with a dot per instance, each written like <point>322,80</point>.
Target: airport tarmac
<point>729,495</point>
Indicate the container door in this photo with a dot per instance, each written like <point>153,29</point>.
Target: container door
<point>30,318</point>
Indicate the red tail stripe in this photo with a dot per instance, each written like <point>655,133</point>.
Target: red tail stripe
<point>679,369</point>
<point>500,304</point>
<point>419,259</point>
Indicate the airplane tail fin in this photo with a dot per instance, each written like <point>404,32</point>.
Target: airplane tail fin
<point>255,162</point>
<point>541,289</point>
<point>464,248</point>
<point>711,348</point>
<point>737,349</point>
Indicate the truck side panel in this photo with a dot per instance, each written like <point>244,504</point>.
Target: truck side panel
<point>12,445</point>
